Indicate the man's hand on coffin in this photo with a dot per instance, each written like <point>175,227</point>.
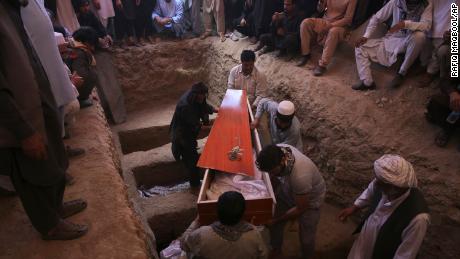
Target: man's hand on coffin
<point>301,205</point>
<point>255,123</point>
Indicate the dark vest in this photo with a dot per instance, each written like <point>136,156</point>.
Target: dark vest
<point>389,236</point>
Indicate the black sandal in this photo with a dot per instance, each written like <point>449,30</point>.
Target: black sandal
<point>71,208</point>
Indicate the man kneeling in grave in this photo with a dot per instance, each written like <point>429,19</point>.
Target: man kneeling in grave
<point>299,190</point>
<point>283,124</point>
<point>231,237</point>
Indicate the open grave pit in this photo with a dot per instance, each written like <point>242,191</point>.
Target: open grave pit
<point>343,131</point>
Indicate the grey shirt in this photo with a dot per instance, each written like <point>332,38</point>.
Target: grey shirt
<point>304,178</point>
<point>289,136</point>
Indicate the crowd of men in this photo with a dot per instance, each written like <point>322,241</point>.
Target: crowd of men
<point>418,33</point>
<point>53,50</point>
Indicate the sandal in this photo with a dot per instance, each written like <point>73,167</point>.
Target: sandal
<point>65,231</point>
<point>71,208</point>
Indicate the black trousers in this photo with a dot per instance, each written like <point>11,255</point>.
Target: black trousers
<point>289,43</point>
<point>187,150</point>
<point>124,26</point>
<point>233,9</point>
<point>143,22</point>
<point>41,202</point>
<point>438,111</point>
<point>263,11</point>
<point>248,29</point>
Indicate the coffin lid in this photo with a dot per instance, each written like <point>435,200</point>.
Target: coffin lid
<point>231,128</point>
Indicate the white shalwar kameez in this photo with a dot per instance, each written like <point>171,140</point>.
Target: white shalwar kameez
<point>105,12</point>
<point>385,50</point>
<point>412,236</point>
<point>66,15</point>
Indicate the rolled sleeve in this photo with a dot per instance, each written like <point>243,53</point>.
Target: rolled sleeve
<point>266,105</point>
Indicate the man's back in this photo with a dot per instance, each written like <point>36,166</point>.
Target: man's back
<point>205,242</point>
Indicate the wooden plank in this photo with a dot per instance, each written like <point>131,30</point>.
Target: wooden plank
<point>230,129</point>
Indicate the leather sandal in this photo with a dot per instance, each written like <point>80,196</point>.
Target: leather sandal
<point>66,231</point>
<point>71,208</point>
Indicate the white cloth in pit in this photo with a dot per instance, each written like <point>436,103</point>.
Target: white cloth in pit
<point>249,187</point>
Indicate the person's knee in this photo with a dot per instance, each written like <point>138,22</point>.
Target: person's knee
<point>419,38</point>
<point>306,23</point>
<point>335,32</point>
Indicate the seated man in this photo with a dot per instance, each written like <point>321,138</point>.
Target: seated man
<point>283,124</point>
<point>411,19</point>
<point>87,18</point>
<point>328,30</point>
<point>263,11</point>
<point>247,77</point>
<point>299,189</point>
<point>284,34</point>
<point>439,41</point>
<point>244,24</point>
<point>232,10</point>
<point>441,106</point>
<point>398,218</point>
<point>168,17</point>
<point>231,237</point>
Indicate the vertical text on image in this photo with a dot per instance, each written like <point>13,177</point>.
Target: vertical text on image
<point>454,40</point>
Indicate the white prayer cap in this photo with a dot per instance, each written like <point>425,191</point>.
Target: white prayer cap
<point>59,38</point>
<point>286,108</point>
<point>395,170</point>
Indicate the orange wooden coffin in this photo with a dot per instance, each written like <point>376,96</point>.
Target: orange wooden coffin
<point>231,128</point>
